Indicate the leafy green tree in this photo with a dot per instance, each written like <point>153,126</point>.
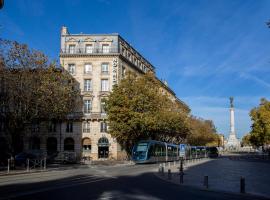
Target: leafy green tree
<point>246,140</point>
<point>32,89</point>
<point>137,109</point>
<point>202,132</point>
<point>260,128</point>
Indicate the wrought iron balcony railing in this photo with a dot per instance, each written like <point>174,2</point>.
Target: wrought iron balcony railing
<point>110,50</point>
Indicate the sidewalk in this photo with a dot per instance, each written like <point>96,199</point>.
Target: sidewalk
<point>50,167</point>
<point>223,175</point>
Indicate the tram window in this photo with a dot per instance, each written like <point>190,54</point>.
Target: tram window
<point>142,147</point>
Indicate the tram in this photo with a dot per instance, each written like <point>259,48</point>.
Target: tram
<point>152,151</point>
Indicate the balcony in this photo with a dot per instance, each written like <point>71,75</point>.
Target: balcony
<point>84,51</point>
<point>95,115</point>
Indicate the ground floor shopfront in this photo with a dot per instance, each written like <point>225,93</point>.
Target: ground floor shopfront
<point>85,141</point>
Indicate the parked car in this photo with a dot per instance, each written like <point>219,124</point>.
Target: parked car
<point>212,152</point>
<point>66,157</point>
<point>50,158</point>
<point>21,158</point>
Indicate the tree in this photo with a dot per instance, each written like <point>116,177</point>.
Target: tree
<point>246,140</point>
<point>137,109</point>
<point>32,89</point>
<point>202,132</point>
<point>260,128</point>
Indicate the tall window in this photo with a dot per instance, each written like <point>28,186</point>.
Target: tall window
<point>104,85</point>
<point>69,127</point>
<point>89,48</point>
<point>87,85</point>
<point>87,106</point>
<point>103,127</point>
<point>71,69</point>
<point>35,126</point>
<point>86,127</point>
<point>105,48</point>
<point>88,68</point>
<point>123,71</point>
<point>71,48</point>
<point>102,107</point>
<point>52,127</point>
<point>104,68</point>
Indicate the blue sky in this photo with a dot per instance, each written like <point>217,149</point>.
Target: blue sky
<point>207,50</point>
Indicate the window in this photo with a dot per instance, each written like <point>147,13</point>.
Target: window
<point>87,106</point>
<point>69,144</point>
<point>2,124</point>
<point>102,107</point>
<point>35,126</point>
<point>71,69</point>
<point>123,71</point>
<point>105,48</point>
<point>89,48</point>
<point>104,85</point>
<point>87,85</point>
<point>103,127</point>
<point>69,128</point>
<point>71,48</point>
<point>86,143</point>
<point>87,68</point>
<point>52,127</point>
<point>86,127</point>
<point>104,68</point>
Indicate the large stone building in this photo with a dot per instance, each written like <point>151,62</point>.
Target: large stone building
<point>97,62</point>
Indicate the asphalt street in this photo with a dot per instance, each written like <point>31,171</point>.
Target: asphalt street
<point>103,182</point>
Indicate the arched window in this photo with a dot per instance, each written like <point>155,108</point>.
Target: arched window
<point>103,142</point>
<point>68,144</point>
<point>86,144</point>
<point>51,145</point>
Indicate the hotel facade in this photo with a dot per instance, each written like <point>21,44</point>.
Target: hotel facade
<point>97,62</point>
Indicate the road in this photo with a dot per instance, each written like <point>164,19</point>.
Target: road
<point>103,182</point>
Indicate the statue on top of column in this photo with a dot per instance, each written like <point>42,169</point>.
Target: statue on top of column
<point>231,102</point>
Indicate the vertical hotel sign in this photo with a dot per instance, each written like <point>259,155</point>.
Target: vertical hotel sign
<point>114,70</point>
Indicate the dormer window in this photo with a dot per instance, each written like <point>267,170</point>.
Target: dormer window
<point>89,48</point>
<point>105,48</point>
<point>71,48</point>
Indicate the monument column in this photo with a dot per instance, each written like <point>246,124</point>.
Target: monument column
<point>232,117</point>
<point>232,141</point>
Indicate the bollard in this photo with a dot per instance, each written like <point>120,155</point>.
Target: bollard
<point>169,174</point>
<point>242,185</point>
<point>169,165</point>
<point>27,167</point>
<point>181,178</point>
<point>205,181</point>
<point>174,163</point>
<point>41,164</point>
<point>44,164</point>
<point>162,171</point>
<point>181,165</point>
<point>8,167</point>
